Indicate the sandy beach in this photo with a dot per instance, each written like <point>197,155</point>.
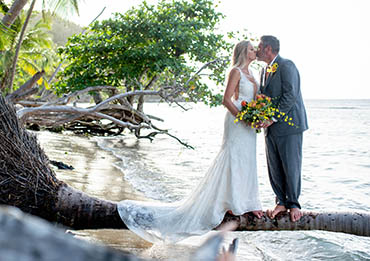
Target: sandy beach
<point>94,173</point>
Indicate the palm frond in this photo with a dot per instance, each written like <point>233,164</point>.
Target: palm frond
<point>63,7</point>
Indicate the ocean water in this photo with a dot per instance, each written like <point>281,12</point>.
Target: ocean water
<point>335,174</point>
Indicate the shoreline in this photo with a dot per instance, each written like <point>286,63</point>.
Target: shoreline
<point>95,174</point>
<point>94,168</point>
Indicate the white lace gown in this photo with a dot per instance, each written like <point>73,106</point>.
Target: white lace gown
<point>229,184</point>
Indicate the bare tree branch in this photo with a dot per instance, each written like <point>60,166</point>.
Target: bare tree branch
<point>127,94</point>
<point>151,136</point>
<point>74,110</point>
<point>23,91</point>
<point>201,69</point>
<point>66,99</point>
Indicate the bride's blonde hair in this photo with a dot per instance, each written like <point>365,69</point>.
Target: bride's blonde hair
<point>240,53</point>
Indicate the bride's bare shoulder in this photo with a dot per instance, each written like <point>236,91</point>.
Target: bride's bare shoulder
<point>234,73</point>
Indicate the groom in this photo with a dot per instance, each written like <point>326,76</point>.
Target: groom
<point>280,81</point>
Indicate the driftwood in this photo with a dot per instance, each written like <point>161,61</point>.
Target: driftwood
<point>28,182</point>
<point>58,115</point>
<point>26,89</point>
<point>60,165</point>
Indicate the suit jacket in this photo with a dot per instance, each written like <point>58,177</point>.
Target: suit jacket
<point>283,86</point>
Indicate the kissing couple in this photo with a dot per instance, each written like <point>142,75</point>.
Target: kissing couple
<point>231,185</point>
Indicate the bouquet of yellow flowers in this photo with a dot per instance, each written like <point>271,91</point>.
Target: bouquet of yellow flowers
<point>259,110</point>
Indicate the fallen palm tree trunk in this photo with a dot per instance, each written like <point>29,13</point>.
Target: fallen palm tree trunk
<point>27,182</point>
<point>350,223</point>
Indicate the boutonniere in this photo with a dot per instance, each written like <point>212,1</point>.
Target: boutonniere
<point>272,68</point>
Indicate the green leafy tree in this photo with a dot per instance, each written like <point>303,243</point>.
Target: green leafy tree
<point>149,47</point>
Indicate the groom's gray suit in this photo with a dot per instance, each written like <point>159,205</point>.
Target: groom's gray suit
<point>284,142</point>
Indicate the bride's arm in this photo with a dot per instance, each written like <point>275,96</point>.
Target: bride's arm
<point>232,84</point>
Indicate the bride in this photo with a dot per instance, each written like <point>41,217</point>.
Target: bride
<point>230,184</point>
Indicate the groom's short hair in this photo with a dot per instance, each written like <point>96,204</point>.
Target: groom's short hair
<point>269,40</point>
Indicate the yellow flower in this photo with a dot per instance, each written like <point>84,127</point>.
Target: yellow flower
<point>273,68</point>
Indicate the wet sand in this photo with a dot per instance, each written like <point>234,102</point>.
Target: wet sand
<point>95,174</point>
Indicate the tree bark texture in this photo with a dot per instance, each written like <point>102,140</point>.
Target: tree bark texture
<point>350,223</point>
<point>13,12</point>
<point>28,182</point>
<point>26,89</point>
<point>19,44</point>
<point>77,210</point>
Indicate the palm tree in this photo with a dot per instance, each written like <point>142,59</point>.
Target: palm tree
<point>58,6</point>
<point>13,13</point>
<point>35,54</point>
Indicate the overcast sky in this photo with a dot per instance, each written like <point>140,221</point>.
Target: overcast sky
<point>329,40</point>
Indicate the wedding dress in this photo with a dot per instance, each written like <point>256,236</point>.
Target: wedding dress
<point>229,184</point>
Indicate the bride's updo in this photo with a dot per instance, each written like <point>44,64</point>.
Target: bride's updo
<point>240,54</point>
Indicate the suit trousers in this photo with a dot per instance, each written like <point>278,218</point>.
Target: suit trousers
<point>284,163</point>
